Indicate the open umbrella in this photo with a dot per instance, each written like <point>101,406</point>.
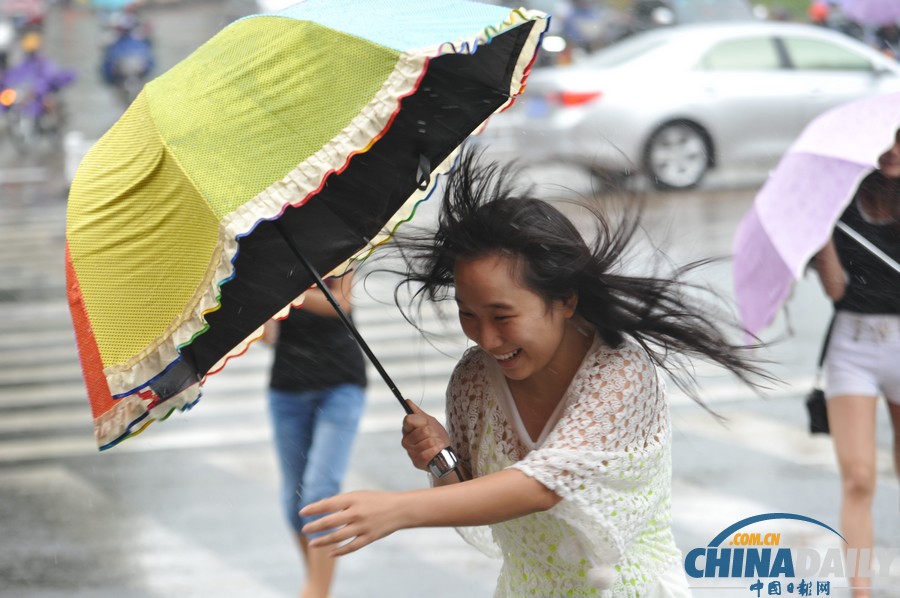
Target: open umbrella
<point>302,136</point>
<point>873,13</point>
<point>795,212</point>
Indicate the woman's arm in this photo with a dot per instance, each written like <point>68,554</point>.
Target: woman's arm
<point>363,517</point>
<point>831,273</point>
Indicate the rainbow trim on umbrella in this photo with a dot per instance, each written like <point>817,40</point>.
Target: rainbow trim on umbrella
<point>196,133</point>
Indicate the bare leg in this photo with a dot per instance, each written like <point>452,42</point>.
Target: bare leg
<point>894,410</point>
<point>852,423</point>
<point>319,570</point>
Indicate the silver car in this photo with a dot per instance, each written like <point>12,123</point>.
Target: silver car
<point>673,103</point>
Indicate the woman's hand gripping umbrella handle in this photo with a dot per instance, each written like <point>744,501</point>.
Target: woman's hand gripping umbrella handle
<point>428,444</point>
<point>442,464</point>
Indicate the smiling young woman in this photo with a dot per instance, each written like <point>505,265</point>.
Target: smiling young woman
<point>557,412</point>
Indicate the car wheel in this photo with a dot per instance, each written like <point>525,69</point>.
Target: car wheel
<point>677,156</point>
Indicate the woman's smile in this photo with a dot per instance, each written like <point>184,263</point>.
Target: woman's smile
<point>507,359</point>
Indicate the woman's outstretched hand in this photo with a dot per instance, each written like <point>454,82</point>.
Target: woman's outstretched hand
<point>360,517</point>
<point>423,437</point>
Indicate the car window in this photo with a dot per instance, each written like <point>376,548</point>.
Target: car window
<point>624,51</point>
<point>818,55</point>
<point>705,11</point>
<point>752,54</point>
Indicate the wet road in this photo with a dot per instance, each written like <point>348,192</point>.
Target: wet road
<point>190,507</point>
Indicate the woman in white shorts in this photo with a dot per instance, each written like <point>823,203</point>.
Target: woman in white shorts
<point>863,360</point>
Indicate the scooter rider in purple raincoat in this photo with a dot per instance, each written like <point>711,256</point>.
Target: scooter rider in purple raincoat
<point>37,75</point>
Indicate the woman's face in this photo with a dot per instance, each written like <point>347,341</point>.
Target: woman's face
<point>889,161</point>
<point>509,321</point>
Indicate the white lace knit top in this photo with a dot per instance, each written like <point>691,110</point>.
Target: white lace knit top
<point>605,452</point>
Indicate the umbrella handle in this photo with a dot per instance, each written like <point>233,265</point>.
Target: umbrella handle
<point>444,462</point>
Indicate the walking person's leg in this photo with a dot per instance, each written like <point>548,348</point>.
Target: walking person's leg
<point>292,421</point>
<point>858,364</point>
<point>339,410</point>
<point>319,570</point>
<point>890,386</point>
<point>894,410</point>
<point>852,422</point>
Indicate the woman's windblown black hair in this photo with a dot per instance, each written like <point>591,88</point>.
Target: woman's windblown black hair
<point>481,214</point>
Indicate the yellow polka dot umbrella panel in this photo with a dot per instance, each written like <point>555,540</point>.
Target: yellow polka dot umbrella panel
<point>318,129</point>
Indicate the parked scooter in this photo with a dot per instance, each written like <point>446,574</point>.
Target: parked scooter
<point>29,96</point>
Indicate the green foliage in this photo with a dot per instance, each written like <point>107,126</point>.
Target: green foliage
<point>796,8</point>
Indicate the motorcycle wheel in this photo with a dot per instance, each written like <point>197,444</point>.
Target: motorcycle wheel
<point>50,124</point>
<point>22,131</point>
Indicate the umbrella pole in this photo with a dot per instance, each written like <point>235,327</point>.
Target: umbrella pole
<point>446,461</point>
<point>344,318</point>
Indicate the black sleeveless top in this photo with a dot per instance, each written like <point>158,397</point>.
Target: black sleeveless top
<point>873,286</point>
<point>314,352</point>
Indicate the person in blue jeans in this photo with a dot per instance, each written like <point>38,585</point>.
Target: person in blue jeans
<point>316,399</point>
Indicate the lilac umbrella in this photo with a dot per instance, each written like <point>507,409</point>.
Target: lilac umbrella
<point>872,12</point>
<point>795,212</point>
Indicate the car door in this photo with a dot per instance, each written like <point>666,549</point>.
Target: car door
<point>833,73</point>
<point>748,98</point>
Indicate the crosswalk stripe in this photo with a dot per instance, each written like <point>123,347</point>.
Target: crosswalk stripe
<point>41,372</point>
<point>36,395</point>
<point>211,424</point>
<point>734,392</point>
<point>212,404</point>
<point>24,340</point>
<point>768,436</point>
<point>248,425</point>
<point>18,176</point>
<point>235,390</point>
<point>225,384</point>
<point>24,356</point>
